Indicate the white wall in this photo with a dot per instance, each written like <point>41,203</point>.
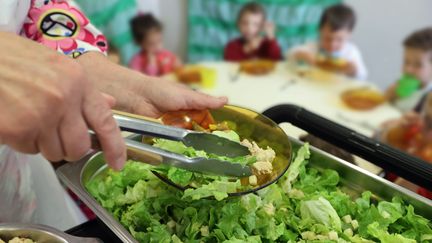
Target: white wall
<point>381,29</point>
<point>173,14</point>
<point>382,26</point>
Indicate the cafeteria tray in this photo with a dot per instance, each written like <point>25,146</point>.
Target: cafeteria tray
<point>353,179</point>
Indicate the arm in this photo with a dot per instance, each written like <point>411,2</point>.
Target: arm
<point>233,51</point>
<point>273,50</point>
<point>78,38</point>
<point>141,94</point>
<point>48,105</point>
<point>356,66</point>
<point>304,53</point>
<point>391,92</point>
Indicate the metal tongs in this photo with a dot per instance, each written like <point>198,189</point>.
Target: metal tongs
<point>207,142</point>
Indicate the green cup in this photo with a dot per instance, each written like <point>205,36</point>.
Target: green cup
<point>407,85</point>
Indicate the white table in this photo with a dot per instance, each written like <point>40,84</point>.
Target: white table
<point>318,93</point>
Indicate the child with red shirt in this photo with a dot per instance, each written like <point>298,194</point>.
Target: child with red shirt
<point>153,59</point>
<point>252,44</point>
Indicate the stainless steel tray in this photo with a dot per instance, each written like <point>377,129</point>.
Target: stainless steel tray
<point>40,234</point>
<point>357,180</point>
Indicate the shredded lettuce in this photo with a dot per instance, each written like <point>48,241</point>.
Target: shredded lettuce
<point>229,134</point>
<point>314,209</point>
<point>202,185</point>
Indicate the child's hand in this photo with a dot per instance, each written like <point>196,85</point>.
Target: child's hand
<point>306,57</point>
<point>269,30</point>
<point>349,69</point>
<point>391,92</point>
<point>252,45</point>
<point>406,120</point>
<point>151,57</point>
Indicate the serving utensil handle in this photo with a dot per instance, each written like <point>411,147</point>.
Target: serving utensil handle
<point>135,150</point>
<point>389,158</point>
<point>148,126</point>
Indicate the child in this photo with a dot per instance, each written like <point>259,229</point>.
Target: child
<point>251,22</point>
<point>334,51</point>
<point>153,59</point>
<point>417,67</point>
<point>413,134</point>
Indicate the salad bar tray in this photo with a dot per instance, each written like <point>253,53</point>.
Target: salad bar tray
<point>352,179</point>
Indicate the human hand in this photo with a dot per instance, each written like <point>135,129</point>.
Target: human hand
<point>405,127</point>
<point>252,45</point>
<point>269,30</point>
<point>303,56</point>
<point>151,57</point>
<point>390,93</point>
<point>349,69</point>
<point>48,105</point>
<point>143,95</point>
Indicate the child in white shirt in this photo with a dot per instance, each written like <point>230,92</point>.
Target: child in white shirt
<point>334,51</point>
<point>417,66</point>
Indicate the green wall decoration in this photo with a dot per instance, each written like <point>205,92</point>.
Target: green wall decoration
<point>212,23</point>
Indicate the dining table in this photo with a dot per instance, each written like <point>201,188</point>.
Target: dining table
<point>316,90</point>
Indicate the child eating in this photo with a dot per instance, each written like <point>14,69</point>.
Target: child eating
<point>251,23</point>
<point>413,134</point>
<point>407,92</point>
<point>334,51</point>
<point>153,59</point>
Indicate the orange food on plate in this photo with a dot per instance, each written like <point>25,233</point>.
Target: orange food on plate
<point>257,67</point>
<point>189,75</point>
<point>362,98</point>
<point>187,119</point>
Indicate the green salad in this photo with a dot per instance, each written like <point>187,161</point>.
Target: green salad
<point>204,185</point>
<point>305,205</point>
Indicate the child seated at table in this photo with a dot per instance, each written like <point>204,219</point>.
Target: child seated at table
<point>413,134</point>
<point>257,40</point>
<point>333,51</point>
<point>153,59</point>
<point>416,81</point>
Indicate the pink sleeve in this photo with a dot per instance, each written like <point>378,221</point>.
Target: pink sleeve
<point>61,26</point>
<point>136,63</point>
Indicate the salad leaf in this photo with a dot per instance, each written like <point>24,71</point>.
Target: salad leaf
<point>385,237</point>
<point>320,211</point>
<point>294,169</point>
<point>229,134</point>
<point>178,148</point>
<point>218,189</point>
<point>179,176</point>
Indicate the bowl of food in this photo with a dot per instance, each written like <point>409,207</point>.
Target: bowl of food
<point>196,75</point>
<point>257,67</point>
<point>363,98</point>
<point>269,158</point>
<point>34,233</point>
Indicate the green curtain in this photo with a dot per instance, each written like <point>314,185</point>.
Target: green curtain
<point>212,23</point>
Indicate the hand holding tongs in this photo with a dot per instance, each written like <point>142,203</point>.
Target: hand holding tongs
<point>207,142</point>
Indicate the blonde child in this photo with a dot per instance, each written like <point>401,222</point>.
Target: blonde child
<point>334,51</point>
<point>257,40</point>
<point>153,59</point>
